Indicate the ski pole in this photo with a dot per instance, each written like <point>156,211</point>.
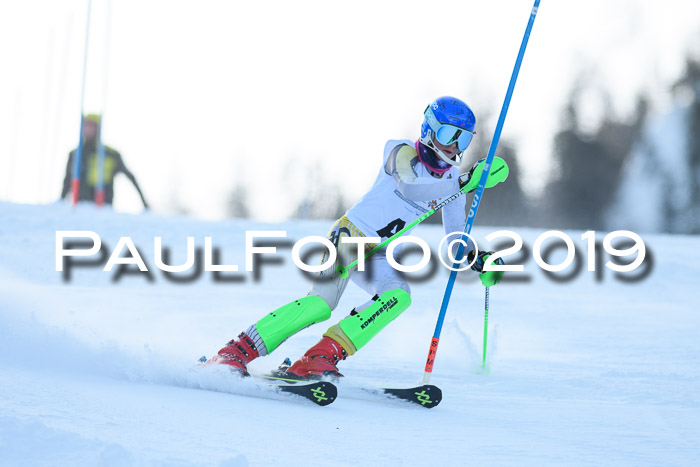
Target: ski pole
<point>477,197</point>
<point>100,191</point>
<point>486,325</point>
<point>500,173</point>
<point>79,151</point>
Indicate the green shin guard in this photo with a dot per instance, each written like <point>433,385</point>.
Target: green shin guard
<point>360,328</point>
<point>286,321</point>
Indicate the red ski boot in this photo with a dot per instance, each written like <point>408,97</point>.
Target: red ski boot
<point>237,354</point>
<point>320,360</point>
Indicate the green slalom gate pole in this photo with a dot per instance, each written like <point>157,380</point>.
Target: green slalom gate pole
<point>499,172</point>
<point>486,326</point>
<point>432,351</point>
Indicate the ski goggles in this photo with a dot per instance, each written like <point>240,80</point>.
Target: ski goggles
<point>447,134</point>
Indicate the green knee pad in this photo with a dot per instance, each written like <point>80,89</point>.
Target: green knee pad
<point>363,326</point>
<point>286,321</point>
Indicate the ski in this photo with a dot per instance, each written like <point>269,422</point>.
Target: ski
<point>427,395</point>
<point>321,393</point>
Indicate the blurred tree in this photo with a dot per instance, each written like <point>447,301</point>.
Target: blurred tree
<point>237,202</point>
<point>322,199</point>
<point>662,190</point>
<point>588,164</point>
<point>174,203</point>
<point>687,219</point>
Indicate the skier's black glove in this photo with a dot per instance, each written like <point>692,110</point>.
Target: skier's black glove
<point>488,278</point>
<point>465,177</point>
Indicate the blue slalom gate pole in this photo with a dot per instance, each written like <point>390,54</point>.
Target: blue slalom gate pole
<point>79,152</point>
<point>432,352</point>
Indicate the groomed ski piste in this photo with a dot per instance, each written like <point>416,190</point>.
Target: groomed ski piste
<point>98,372</point>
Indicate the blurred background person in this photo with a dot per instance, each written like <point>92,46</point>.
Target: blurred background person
<point>113,165</point>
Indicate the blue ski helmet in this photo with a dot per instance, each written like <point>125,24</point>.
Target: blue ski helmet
<point>447,120</point>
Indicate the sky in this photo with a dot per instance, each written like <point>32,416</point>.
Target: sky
<point>286,98</point>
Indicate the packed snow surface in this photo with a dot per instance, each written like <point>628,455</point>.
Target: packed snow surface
<point>100,369</point>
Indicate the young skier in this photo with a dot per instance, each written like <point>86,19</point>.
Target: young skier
<point>414,177</point>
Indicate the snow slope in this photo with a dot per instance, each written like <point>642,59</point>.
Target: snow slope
<point>96,372</point>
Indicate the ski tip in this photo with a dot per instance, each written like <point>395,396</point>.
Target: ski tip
<point>427,395</point>
<point>320,392</point>
<point>324,393</point>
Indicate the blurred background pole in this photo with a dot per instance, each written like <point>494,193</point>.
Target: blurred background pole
<point>79,151</point>
<point>100,192</point>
